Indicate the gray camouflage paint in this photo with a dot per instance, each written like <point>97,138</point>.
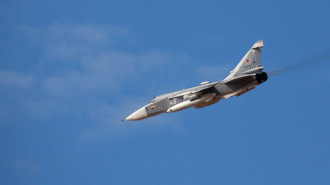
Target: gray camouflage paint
<point>246,75</point>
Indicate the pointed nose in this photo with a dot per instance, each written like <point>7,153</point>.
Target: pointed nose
<point>138,115</point>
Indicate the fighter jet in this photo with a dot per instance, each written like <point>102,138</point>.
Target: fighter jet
<point>246,76</point>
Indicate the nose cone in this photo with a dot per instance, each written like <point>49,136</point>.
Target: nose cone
<point>138,115</point>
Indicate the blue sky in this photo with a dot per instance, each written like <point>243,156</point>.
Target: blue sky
<point>70,70</point>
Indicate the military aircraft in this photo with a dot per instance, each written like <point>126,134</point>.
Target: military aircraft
<point>245,77</point>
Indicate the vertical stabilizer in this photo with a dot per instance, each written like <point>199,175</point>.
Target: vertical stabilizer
<point>249,61</point>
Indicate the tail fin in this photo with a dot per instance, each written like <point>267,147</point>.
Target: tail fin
<point>249,61</point>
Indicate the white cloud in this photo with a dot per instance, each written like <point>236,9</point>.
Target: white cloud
<point>81,58</point>
<point>105,72</point>
<point>15,79</point>
<point>84,33</point>
<point>72,42</point>
<point>82,73</point>
<point>84,61</point>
